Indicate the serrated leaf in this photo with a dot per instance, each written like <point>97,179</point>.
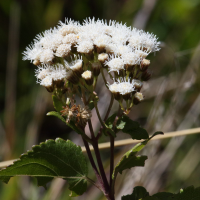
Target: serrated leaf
<point>58,105</point>
<point>126,124</point>
<point>130,160</point>
<point>163,195</point>
<point>138,193</point>
<point>138,133</point>
<point>132,128</point>
<point>71,124</point>
<point>129,157</point>
<point>189,193</point>
<point>52,159</point>
<point>56,114</point>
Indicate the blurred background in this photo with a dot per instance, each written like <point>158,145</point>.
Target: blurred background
<point>172,96</point>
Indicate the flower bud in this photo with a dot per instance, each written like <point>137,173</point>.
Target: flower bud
<point>72,77</point>
<point>137,84</point>
<point>138,97</point>
<point>144,64</point>
<point>47,82</point>
<point>146,75</point>
<point>96,68</point>
<point>87,75</point>
<point>102,57</point>
<point>36,62</point>
<point>77,68</point>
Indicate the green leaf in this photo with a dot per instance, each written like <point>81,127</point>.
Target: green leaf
<point>110,120</point>
<point>52,159</point>
<point>109,125</point>
<point>138,193</point>
<point>189,193</point>
<point>126,124</point>
<point>130,160</point>
<point>56,114</point>
<point>132,128</point>
<point>58,105</point>
<point>91,105</point>
<point>71,124</point>
<point>157,133</point>
<point>163,195</point>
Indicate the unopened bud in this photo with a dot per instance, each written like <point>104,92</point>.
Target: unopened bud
<point>77,68</point>
<point>36,62</point>
<point>87,75</point>
<point>138,97</point>
<point>146,75</point>
<point>96,68</point>
<point>137,84</point>
<point>144,64</point>
<point>102,57</point>
<point>72,77</point>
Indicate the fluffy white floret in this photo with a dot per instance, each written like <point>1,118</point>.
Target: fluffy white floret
<point>70,39</point>
<point>47,81</point>
<point>115,64</point>
<point>63,50</point>
<point>43,72</point>
<point>58,73</point>
<point>46,56</point>
<point>102,41</point>
<point>85,46</point>
<point>122,86</point>
<point>131,58</point>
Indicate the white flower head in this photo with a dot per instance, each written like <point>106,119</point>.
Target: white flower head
<point>63,50</point>
<point>115,64</point>
<point>141,54</point>
<point>58,73</point>
<point>47,81</point>
<point>131,58</point>
<point>68,27</point>
<point>85,46</point>
<point>70,39</point>
<point>46,56</point>
<point>125,87</point>
<point>43,72</point>
<point>102,41</point>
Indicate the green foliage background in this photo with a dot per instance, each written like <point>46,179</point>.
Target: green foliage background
<point>172,97</point>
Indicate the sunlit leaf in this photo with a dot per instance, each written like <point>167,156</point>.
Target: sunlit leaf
<point>52,159</point>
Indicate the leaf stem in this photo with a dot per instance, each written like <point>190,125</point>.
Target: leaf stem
<point>99,116</point>
<point>102,73</point>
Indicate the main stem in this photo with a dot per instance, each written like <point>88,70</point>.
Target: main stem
<point>99,161</point>
<point>94,166</point>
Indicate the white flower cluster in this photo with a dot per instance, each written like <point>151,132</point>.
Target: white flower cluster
<point>60,53</point>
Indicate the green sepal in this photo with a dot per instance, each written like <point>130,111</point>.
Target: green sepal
<point>52,159</point>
